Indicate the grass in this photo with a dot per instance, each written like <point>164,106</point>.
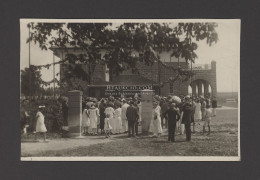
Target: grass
<point>213,145</point>
<point>223,141</point>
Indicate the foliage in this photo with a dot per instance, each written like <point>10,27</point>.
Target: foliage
<point>53,112</point>
<point>122,42</point>
<point>35,83</point>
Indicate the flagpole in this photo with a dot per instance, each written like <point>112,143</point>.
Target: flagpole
<point>191,82</point>
<point>53,75</point>
<point>30,90</point>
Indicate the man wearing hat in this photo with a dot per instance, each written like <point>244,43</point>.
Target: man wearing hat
<point>173,116</point>
<point>132,118</point>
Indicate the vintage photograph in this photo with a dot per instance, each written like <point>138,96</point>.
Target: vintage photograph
<point>130,89</point>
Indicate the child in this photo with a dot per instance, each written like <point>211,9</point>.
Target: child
<point>208,115</point>
<point>40,126</point>
<point>107,127</point>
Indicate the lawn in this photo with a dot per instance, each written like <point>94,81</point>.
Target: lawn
<point>223,141</point>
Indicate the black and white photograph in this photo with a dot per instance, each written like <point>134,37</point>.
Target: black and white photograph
<point>130,89</point>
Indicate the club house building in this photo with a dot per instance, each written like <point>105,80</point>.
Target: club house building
<point>155,77</point>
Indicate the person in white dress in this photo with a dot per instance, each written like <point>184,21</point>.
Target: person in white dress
<point>85,122</point>
<point>197,110</point>
<point>110,110</point>
<point>207,118</point>
<point>40,126</point>
<point>123,116</point>
<point>93,113</point>
<point>155,125</point>
<point>107,126</point>
<point>117,119</point>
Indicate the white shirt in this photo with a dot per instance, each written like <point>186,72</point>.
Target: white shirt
<point>123,111</point>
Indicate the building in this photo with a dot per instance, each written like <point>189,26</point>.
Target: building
<point>156,77</point>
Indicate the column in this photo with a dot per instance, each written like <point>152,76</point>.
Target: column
<point>199,88</point>
<point>206,88</point>
<point>75,113</point>
<point>146,109</point>
<point>193,86</point>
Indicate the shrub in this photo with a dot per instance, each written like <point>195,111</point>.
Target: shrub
<point>54,119</point>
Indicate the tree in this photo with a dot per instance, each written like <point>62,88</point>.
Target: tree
<point>148,39</point>
<point>36,81</point>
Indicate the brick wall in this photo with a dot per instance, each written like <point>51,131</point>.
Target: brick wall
<point>160,74</point>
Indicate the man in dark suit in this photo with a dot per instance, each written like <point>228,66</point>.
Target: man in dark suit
<point>173,116</point>
<point>186,118</point>
<point>132,118</point>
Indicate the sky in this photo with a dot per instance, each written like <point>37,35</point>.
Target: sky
<point>226,52</point>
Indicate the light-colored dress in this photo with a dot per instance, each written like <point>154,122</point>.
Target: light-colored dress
<point>197,111</point>
<point>123,116</point>
<point>118,122</point>
<point>155,125</point>
<point>85,119</point>
<point>93,114</point>
<point>111,111</point>
<point>40,126</point>
<point>107,125</point>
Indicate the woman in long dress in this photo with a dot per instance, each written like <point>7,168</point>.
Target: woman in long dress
<point>85,121</point>
<point>40,126</point>
<point>110,110</point>
<point>117,119</point>
<point>197,110</point>
<point>93,115</point>
<point>107,126</point>
<point>156,126</point>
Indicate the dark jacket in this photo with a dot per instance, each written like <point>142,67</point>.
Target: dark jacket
<point>187,113</point>
<point>173,116</point>
<point>132,113</point>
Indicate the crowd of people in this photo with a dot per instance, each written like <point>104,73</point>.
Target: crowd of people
<point>121,115</point>
<point>110,116</point>
<point>114,115</point>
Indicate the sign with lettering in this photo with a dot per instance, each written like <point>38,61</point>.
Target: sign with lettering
<point>125,90</point>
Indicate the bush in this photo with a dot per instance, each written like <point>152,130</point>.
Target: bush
<point>54,119</point>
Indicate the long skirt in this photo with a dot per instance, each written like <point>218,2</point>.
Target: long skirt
<point>93,122</point>
<point>155,126</point>
<point>113,124</point>
<point>197,115</point>
<point>40,126</point>
<point>124,124</point>
<point>118,124</point>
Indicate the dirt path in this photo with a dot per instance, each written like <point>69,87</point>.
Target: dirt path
<point>33,148</point>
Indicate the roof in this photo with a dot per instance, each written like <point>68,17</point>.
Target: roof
<point>127,80</point>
